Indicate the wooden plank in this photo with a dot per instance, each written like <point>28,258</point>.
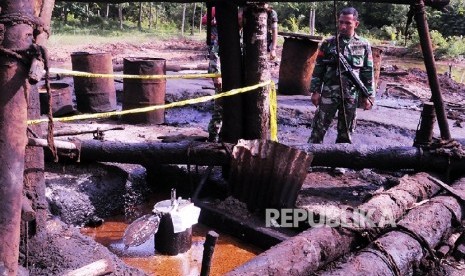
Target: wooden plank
<point>100,267</point>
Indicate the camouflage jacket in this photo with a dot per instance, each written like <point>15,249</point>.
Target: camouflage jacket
<point>272,18</point>
<point>357,51</point>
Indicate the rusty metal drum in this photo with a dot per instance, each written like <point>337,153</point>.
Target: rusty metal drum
<point>297,63</point>
<point>144,92</point>
<point>94,94</point>
<point>62,99</point>
<point>376,64</point>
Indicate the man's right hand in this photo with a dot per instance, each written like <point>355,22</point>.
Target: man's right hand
<point>316,98</point>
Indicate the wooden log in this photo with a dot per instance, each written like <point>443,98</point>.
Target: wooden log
<point>400,251</point>
<point>100,267</point>
<point>459,250</point>
<point>446,247</point>
<point>316,247</point>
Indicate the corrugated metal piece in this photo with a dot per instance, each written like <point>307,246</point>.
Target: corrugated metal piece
<point>267,174</point>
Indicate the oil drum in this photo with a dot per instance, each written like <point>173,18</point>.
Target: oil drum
<point>62,100</point>
<point>94,94</point>
<point>297,63</point>
<point>376,64</point>
<point>144,92</point>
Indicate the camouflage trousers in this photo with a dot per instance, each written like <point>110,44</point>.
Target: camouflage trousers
<point>214,65</point>
<point>216,122</point>
<point>214,126</point>
<point>325,114</point>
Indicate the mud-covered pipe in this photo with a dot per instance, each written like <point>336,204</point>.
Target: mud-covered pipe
<point>13,115</point>
<point>255,118</point>
<point>231,70</point>
<point>426,48</point>
<point>34,181</point>
<point>199,153</point>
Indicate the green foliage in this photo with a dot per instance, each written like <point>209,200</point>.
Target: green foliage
<point>293,24</point>
<point>378,21</point>
<point>451,22</point>
<point>449,47</point>
<point>455,47</point>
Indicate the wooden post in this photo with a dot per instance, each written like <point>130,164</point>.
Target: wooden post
<point>208,248</point>
<point>256,103</point>
<point>424,134</point>
<point>17,35</point>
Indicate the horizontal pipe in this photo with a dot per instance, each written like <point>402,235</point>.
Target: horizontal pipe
<point>199,153</point>
<point>36,142</point>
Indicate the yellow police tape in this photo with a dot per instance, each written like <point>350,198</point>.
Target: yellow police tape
<point>144,77</point>
<point>273,107</point>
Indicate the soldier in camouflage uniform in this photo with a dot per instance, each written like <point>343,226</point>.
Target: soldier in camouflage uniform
<point>214,67</point>
<point>272,31</point>
<point>325,86</point>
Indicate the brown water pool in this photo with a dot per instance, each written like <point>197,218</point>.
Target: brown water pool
<point>229,252</point>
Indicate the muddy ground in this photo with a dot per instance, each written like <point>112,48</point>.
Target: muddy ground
<point>392,122</point>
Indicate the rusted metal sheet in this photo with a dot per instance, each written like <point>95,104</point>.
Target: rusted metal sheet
<point>144,92</point>
<point>266,174</point>
<point>297,63</point>
<point>376,63</point>
<point>62,99</point>
<point>94,94</point>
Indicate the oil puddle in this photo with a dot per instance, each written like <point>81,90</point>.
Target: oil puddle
<point>229,252</point>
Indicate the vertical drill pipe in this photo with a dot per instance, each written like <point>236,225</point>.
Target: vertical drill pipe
<point>256,104</point>
<point>428,57</point>
<point>13,115</point>
<point>231,70</point>
<point>208,248</point>
<point>34,181</point>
